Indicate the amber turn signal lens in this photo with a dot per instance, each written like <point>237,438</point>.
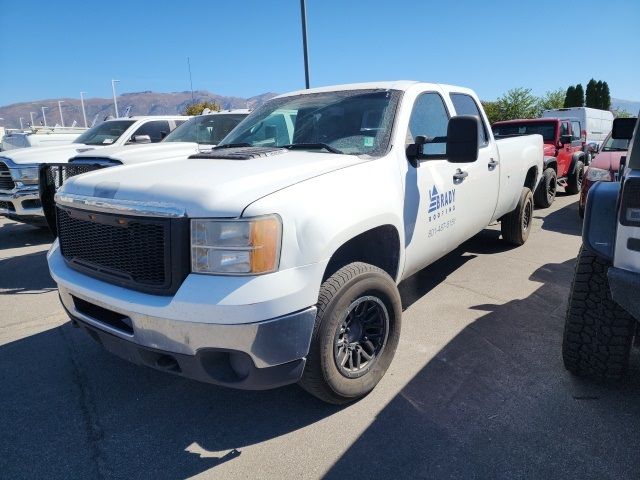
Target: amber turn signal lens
<point>265,243</point>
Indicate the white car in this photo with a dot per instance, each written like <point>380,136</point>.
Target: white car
<point>19,197</point>
<point>275,258</point>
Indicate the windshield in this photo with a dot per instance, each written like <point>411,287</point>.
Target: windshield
<point>206,129</point>
<point>352,122</point>
<point>547,130</point>
<point>104,134</point>
<point>615,145</point>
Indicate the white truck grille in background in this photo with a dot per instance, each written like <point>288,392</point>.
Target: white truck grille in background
<point>6,182</point>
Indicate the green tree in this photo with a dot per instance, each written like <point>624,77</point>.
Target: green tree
<point>493,111</point>
<point>599,91</point>
<point>551,100</point>
<point>517,103</point>
<point>592,94</point>
<point>579,100</point>
<point>570,96</point>
<point>198,107</point>
<point>605,100</point>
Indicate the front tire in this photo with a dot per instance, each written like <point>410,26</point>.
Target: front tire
<point>516,225</point>
<point>574,182</point>
<point>355,335</point>
<point>546,191</point>
<point>598,333</point>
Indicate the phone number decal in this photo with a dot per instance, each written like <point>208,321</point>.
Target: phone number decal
<point>442,227</point>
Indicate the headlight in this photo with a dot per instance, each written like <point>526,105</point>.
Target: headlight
<point>236,247</point>
<point>26,175</point>
<point>597,174</point>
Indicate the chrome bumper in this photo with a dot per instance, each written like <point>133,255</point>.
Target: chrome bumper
<point>21,202</point>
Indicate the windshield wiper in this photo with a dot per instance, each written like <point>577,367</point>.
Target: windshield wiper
<point>232,145</point>
<point>312,146</point>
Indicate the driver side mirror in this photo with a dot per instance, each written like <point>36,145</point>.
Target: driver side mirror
<point>141,139</point>
<point>623,128</point>
<point>565,139</point>
<point>462,142</point>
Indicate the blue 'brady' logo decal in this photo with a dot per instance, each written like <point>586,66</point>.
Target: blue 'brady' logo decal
<point>440,200</point>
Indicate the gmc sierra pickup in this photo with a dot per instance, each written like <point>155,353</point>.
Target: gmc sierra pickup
<point>275,258</point>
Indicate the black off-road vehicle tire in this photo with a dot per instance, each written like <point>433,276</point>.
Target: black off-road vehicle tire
<point>598,333</point>
<point>359,310</point>
<point>516,225</point>
<point>545,194</point>
<point>574,182</point>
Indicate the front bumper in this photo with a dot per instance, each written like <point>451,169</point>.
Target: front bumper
<point>251,333</point>
<point>624,287</point>
<point>22,204</point>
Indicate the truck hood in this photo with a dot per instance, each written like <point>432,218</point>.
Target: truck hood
<point>608,161</point>
<point>54,154</point>
<point>206,187</point>
<point>131,154</point>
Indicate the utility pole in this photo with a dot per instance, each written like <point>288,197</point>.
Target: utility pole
<point>60,102</point>
<point>44,117</point>
<point>115,102</point>
<point>31,114</point>
<point>84,115</point>
<point>21,127</point>
<point>303,15</point>
<point>190,80</point>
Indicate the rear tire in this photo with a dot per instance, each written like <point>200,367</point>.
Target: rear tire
<point>516,225</point>
<point>598,333</point>
<point>574,182</point>
<point>546,191</point>
<point>359,316</point>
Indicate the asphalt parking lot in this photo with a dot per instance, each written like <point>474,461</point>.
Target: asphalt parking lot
<point>477,388</point>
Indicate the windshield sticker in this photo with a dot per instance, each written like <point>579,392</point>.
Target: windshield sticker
<point>107,140</point>
<point>441,213</point>
<point>368,141</point>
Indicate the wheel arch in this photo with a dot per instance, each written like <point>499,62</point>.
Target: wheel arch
<point>378,246</point>
<point>550,162</point>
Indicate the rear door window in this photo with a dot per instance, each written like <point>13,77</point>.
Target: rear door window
<point>466,105</point>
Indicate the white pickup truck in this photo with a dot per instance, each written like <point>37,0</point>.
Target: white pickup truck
<point>19,197</point>
<point>275,258</point>
<point>196,135</point>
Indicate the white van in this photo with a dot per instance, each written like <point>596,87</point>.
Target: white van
<point>596,123</point>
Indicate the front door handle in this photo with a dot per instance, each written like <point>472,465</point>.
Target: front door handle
<point>459,176</point>
<point>493,164</point>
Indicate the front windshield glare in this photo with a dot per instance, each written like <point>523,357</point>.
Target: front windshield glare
<point>354,122</point>
<point>206,129</point>
<point>104,134</point>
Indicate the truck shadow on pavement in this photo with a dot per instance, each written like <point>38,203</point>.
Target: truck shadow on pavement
<point>565,220</point>
<point>16,235</point>
<point>496,402</point>
<point>25,274</point>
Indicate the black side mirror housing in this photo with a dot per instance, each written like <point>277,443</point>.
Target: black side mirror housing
<point>623,128</point>
<point>462,139</point>
<point>565,139</point>
<point>461,142</point>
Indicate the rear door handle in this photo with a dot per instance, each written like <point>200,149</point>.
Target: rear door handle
<point>493,164</point>
<point>459,176</point>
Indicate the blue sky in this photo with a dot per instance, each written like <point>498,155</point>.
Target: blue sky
<point>244,48</point>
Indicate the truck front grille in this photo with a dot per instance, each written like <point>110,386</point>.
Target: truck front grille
<point>141,253</point>
<point>6,182</point>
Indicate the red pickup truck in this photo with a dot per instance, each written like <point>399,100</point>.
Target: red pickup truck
<point>564,156</point>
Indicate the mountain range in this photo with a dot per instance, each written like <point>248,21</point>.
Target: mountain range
<point>153,103</point>
<point>142,103</point>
